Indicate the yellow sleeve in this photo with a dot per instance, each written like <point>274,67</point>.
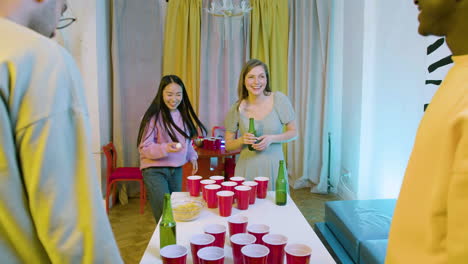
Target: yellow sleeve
<point>457,219</point>
<point>60,178</point>
<point>457,201</point>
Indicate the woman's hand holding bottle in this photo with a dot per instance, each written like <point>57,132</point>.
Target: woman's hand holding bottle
<point>263,142</point>
<point>248,139</point>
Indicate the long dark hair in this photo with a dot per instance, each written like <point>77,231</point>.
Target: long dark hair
<point>158,107</point>
<point>248,66</point>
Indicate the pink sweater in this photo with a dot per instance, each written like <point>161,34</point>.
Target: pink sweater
<point>153,146</point>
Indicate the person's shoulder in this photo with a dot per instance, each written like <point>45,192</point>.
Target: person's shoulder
<point>23,42</point>
<point>280,97</point>
<point>236,106</point>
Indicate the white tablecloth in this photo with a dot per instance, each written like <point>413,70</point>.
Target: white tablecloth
<point>286,220</point>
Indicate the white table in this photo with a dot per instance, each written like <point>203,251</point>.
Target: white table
<point>286,220</point>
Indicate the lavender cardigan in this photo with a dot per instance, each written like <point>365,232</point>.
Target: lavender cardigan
<point>153,146</point>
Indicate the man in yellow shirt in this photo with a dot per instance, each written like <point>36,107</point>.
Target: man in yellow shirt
<point>51,208</point>
<point>430,222</point>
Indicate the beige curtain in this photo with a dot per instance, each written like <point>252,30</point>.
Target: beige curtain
<point>182,44</point>
<point>308,89</point>
<point>137,48</point>
<point>269,39</point>
<point>226,45</point>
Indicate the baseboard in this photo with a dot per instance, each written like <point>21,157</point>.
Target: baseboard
<point>344,192</point>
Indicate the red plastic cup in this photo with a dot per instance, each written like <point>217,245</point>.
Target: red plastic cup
<point>212,143</point>
<point>228,186</point>
<point>174,254</point>
<point>218,143</point>
<point>298,254</point>
<point>211,255</point>
<point>255,254</point>
<point>237,224</point>
<point>211,197</point>
<point>238,241</point>
<point>217,178</point>
<point>225,199</point>
<point>237,179</point>
<point>253,191</point>
<point>262,186</point>
<point>208,144</point>
<point>243,196</point>
<point>193,184</point>
<point>218,231</point>
<point>198,242</point>
<point>258,230</point>
<point>202,186</point>
<point>275,243</point>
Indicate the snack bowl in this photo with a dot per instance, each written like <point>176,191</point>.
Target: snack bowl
<point>187,208</point>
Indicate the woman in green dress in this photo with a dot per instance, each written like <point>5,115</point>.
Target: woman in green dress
<point>274,124</point>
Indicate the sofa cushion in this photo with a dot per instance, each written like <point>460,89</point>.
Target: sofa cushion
<point>373,251</point>
<point>354,221</point>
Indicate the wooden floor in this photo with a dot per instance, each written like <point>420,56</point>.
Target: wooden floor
<point>133,230</point>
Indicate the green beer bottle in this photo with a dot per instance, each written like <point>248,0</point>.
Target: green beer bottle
<point>252,130</point>
<point>167,226</point>
<point>281,185</point>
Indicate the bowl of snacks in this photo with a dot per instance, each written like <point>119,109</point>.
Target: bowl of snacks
<point>187,208</point>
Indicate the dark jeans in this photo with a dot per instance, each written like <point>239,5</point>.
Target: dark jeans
<point>158,181</point>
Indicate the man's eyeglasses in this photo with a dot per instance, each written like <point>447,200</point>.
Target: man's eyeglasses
<point>65,22</point>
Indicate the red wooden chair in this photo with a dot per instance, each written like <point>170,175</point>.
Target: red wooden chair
<point>116,174</point>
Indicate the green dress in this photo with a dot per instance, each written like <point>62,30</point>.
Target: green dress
<point>265,163</point>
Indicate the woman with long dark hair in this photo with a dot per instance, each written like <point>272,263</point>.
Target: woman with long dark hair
<point>164,141</point>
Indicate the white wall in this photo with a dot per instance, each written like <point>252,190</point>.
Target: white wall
<point>104,79</point>
<point>88,41</point>
<point>383,85</point>
<point>353,35</point>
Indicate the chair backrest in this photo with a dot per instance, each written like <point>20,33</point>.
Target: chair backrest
<point>218,131</point>
<point>111,157</point>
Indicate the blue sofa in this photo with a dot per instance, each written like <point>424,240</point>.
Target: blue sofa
<point>356,231</point>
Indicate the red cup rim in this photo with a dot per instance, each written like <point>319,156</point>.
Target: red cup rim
<point>237,178</point>
<point>225,193</point>
<point>208,239</point>
<point>253,239</point>
<point>194,177</point>
<point>243,188</point>
<point>219,229</point>
<point>264,229</point>
<point>219,251</point>
<point>250,183</point>
<point>229,183</point>
<point>292,250</point>
<point>261,178</point>
<point>246,250</point>
<point>181,250</point>
<point>207,181</point>
<point>213,186</point>
<point>233,219</point>
<point>277,239</point>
